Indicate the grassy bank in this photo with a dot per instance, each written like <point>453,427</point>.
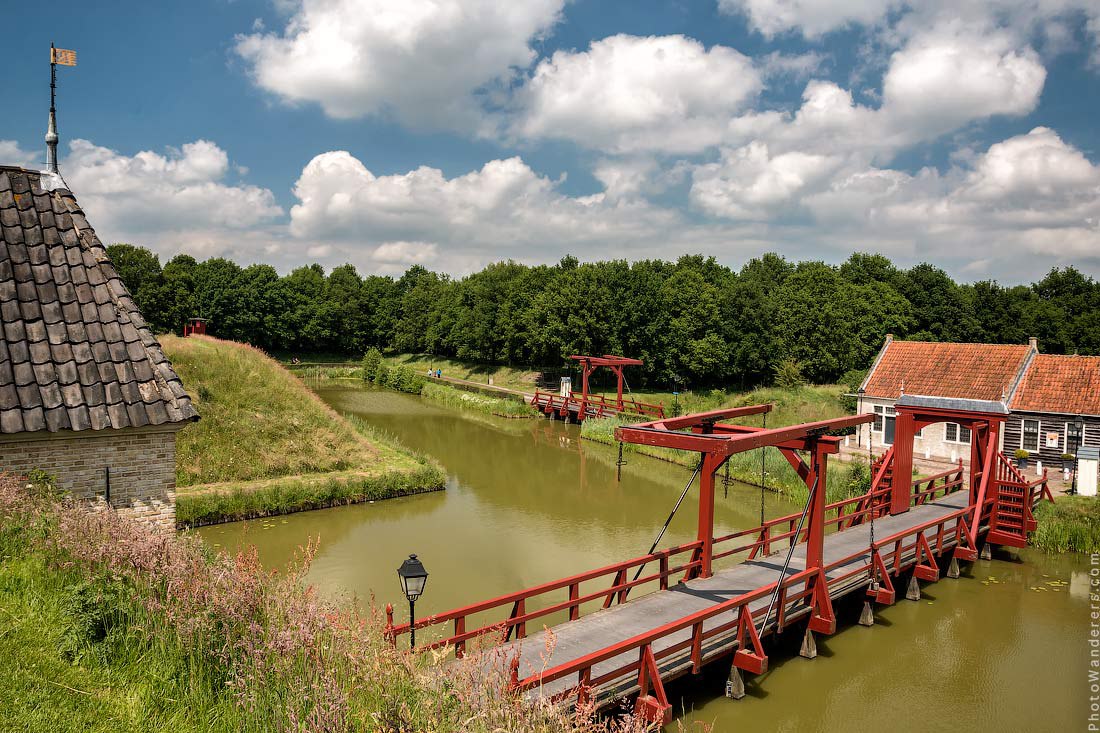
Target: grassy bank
<point>791,406</point>
<point>461,399</point>
<point>108,625</point>
<point>267,445</point>
<point>520,378</point>
<point>1071,524</point>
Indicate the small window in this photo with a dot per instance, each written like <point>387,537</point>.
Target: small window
<point>1029,435</point>
<point>1074,440</point>
<point>955,433</point>
<point>878,419</point>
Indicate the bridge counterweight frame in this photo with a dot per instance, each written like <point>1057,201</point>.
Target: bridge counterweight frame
<point>716,441</point>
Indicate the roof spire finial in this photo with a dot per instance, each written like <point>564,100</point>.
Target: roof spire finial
<point>65,58</point>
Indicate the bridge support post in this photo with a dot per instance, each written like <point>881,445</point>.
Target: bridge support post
<point>867,616</point>
<point>900,487</point>
<point>987,552</point>
<point>912,593</point>
<point>953,568</point>
<point>809,646</point>
<point>705,535</point>
<point>735,684</point>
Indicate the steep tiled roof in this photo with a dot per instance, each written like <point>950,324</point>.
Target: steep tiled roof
<point>1057,383</point>
<point>75,353</point>
<point>968,371</point>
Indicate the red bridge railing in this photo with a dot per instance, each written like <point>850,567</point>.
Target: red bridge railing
<point>888,556</point>
<point>615,581</point>
<point>674,561</point>
<point>596,405</point>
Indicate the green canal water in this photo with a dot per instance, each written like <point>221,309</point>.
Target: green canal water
<point>1003,648</point>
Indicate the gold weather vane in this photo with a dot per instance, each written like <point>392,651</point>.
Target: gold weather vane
<point>65,57</point>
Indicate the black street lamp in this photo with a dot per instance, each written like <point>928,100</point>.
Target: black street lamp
<point>413,577</point>
<point>859,411</point>
<point>1078,433</point>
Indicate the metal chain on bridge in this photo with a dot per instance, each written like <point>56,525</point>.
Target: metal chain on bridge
<point>871,509</point>
<point>619,463</point>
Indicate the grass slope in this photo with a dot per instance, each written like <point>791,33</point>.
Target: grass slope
<point>266,444</point>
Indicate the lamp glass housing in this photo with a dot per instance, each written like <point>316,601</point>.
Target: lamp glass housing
<point>413,577</point>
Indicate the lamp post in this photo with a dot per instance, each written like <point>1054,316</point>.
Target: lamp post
<point>1078,433</point>
<point>859,411</point>
<point>413,577</point>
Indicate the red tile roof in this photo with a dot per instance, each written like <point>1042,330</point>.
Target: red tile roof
<point>968,371</point>
<point>1056,383</point>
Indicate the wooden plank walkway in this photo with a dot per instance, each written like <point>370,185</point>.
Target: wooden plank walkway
<point>601,629</point>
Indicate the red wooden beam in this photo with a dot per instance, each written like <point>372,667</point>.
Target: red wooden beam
<point>699,419</point>
<point>607,360</point>
<point>729,441</point>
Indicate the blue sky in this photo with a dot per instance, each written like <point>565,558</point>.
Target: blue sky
<point>453,133</point>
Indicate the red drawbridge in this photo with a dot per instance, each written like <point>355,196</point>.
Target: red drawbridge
<point>597,644</point>
<point>580,406</point>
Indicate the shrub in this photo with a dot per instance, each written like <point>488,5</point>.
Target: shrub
<point>402,379</point>
<point>859,478</point>
<point>852,380</point>
<point>788,375</point>
<point>1021,454</point>
<point>372,360</point>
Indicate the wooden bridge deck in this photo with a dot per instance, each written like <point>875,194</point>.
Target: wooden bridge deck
<point>600,630</point>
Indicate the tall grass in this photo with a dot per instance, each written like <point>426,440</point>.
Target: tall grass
<point>1071,524</point>
<point>460,399</point>
<point>301,493</point>
<point>110,625</point>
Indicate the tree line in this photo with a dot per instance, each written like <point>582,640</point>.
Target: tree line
<point>694,322</point>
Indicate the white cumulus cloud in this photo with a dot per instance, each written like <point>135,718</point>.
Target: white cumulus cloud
<point>503,209</point>
<point>171,202</point>
<point>12,154</point>
<point>811,17</point>
<point>1031,201</point>
<point>421,61</point>
<point>629,93</point>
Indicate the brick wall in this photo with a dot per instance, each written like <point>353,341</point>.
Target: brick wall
<point>142,465</point>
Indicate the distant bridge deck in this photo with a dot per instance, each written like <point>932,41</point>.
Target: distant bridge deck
<point>578,407</point>
<point>846,552</point>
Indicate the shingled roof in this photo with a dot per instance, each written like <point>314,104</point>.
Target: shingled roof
<point>968,371</point>
<point>75,352</point>
<point>1059,383</point>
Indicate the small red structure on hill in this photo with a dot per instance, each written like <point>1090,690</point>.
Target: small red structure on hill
<point>195,326</point>
<point>588,405</point>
